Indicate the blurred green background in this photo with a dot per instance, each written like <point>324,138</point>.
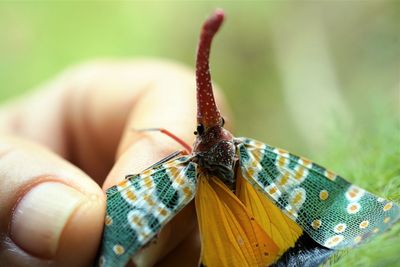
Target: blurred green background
<point>321,79</point>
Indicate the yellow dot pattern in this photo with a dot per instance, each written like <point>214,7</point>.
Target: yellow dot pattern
<point>333,241</point>
<point>364,224</point>
<point>388,206</point>
<point>353,208</point>
<point>316,224</point>
<point>340,228</point>
<point>118,249</point>
<point>323,195</point>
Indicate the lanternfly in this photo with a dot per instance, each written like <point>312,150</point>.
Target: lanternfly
<point>257,205</point>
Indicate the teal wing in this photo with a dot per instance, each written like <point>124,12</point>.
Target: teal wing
<point>139,206</point>
<point>335,213</point>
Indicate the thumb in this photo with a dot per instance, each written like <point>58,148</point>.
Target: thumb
<point>51,213</point>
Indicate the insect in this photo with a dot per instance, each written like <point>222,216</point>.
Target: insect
<point>257,205</point>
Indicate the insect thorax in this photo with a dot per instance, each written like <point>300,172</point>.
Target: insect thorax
<point>219,161</point>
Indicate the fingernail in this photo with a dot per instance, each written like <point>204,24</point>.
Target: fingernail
<point>41,215</point>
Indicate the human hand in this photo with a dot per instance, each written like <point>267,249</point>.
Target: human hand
<point>63,141</point>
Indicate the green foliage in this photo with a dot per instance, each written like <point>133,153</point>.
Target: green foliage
<point>370,159</point>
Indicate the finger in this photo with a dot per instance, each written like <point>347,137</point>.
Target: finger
<point>89,107</point>
<point>167,103</point>
<point>81,114</point>
<point>170,103</point>
<point>51,213</point>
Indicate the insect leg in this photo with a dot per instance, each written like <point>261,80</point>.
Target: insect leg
<point>167,158</point>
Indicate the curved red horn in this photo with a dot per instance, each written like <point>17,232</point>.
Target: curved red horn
<point>207,111</point>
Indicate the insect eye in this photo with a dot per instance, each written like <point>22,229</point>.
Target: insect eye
<point>222,121</point>
<point>200,129</point>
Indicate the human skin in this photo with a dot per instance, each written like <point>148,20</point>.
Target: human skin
<point>72,138</point>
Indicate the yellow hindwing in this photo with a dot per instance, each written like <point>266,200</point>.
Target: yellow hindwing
<point>282,230</point>
<point>230,234</point>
